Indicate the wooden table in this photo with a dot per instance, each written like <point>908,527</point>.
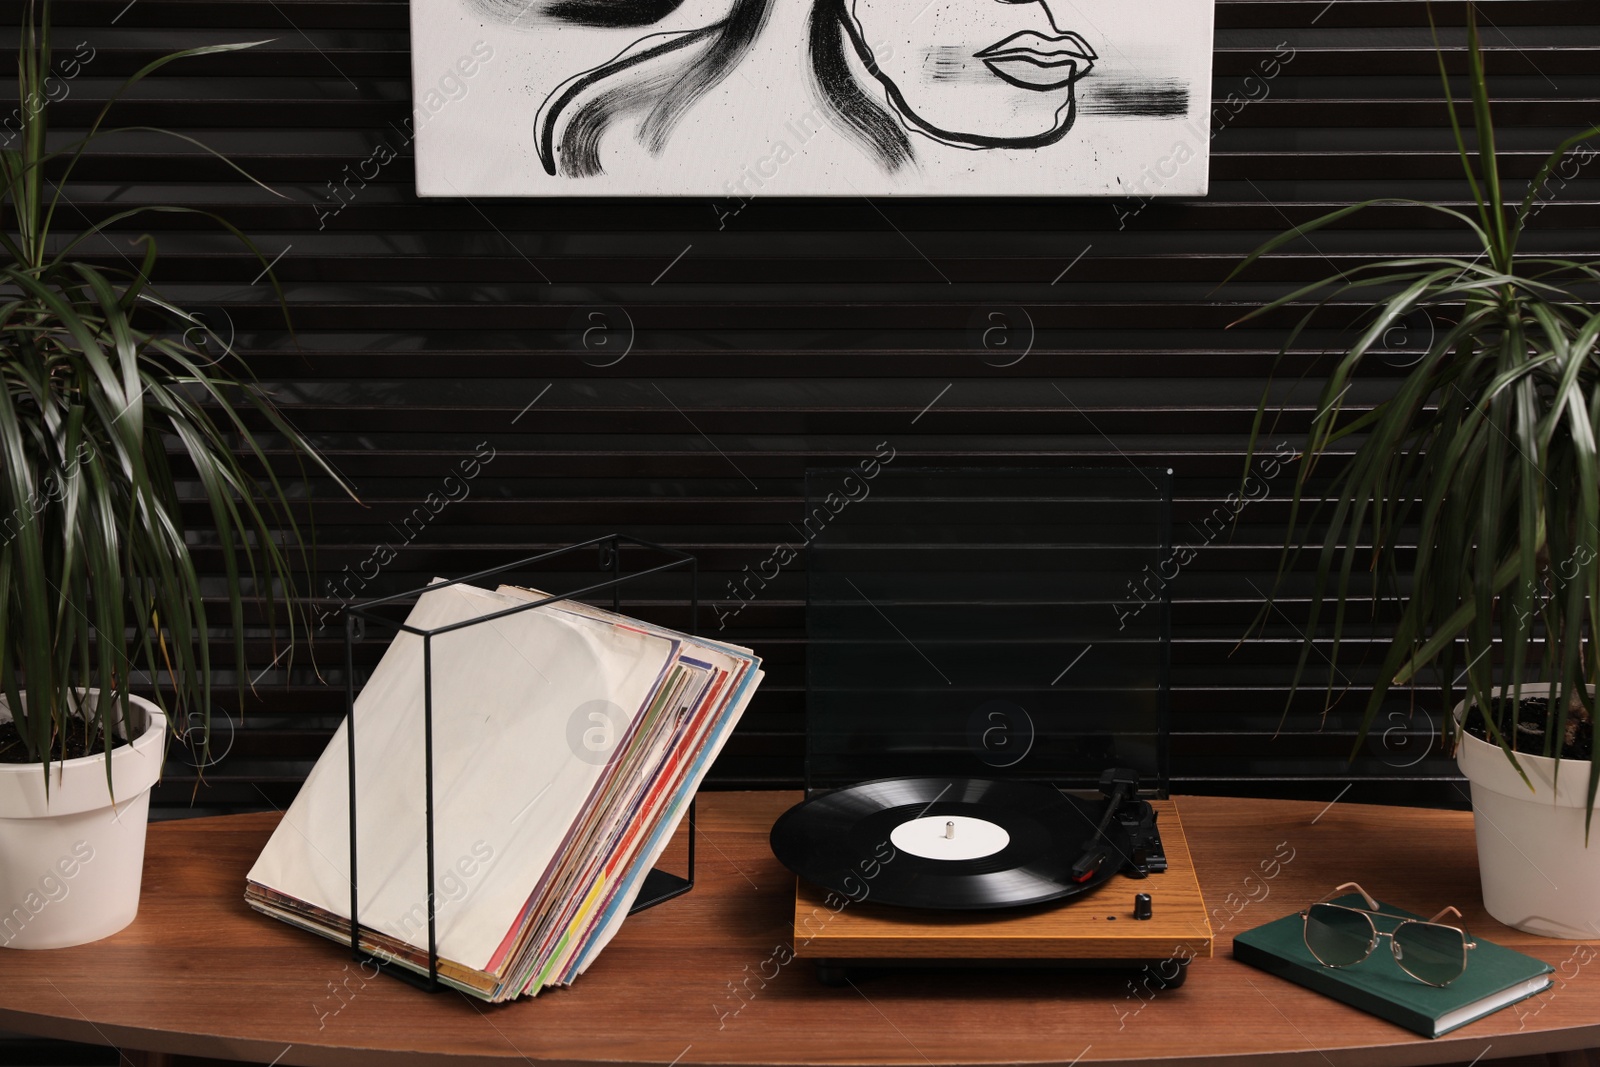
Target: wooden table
<point>695,981</point>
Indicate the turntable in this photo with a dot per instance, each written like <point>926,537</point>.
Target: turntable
<point>986,732</point>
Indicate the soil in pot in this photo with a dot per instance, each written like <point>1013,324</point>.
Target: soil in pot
<point>82,739</point>
<point>1525,720</point>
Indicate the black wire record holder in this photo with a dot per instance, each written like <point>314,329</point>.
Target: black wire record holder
<point>659,885</point>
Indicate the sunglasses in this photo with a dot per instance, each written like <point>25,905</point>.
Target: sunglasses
<point>1341,936</point>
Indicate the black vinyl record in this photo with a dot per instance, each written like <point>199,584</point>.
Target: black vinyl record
<point>842,841</point>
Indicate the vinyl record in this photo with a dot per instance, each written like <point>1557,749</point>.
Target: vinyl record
<point>946,843</point>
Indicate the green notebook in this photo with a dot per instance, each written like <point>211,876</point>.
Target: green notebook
<point>1496,976</point>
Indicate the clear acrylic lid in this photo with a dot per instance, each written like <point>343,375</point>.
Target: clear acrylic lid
<point>997,623</point>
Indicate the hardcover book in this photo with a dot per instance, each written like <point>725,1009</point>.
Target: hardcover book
<point>1495,977</point>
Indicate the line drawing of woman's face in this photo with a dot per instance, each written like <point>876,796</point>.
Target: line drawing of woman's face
<point>975,73</point>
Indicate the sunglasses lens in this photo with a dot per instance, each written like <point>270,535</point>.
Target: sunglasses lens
<point>1336,936</point>
<point>1434,954</point>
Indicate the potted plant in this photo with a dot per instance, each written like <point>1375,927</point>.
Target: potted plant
<point>1483,458</point>
<point>99,591</point>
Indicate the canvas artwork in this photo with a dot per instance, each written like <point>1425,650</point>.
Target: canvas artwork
<point>744,98</point>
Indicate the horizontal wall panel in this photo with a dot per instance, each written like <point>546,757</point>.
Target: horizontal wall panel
<point>1247,210</point>
<point>1412,56</point>
<point>311,113</point>
<point>392,14</point>
<point>744,341</point>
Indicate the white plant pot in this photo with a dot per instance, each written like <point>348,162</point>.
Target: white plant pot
<point>1538,874</point>
<point>71,864</point>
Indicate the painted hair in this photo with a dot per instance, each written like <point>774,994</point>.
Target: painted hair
<point>866,122</point>
<point>662,75</point>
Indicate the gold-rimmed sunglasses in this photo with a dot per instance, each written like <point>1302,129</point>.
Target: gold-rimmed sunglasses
<point>1342,936</point>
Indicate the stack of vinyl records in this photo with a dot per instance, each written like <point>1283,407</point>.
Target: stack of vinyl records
<point>568,742</point>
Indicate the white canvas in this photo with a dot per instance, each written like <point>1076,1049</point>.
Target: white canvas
<point>745,98</point>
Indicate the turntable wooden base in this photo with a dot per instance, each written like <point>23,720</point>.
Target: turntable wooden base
<point>1097,927</point>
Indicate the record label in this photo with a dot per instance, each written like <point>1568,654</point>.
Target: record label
<point>958,837</point>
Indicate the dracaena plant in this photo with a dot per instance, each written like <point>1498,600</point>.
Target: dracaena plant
<point>1483,456</point>
<point>114,412</point>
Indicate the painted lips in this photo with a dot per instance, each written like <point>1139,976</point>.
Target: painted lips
<point>1033,61</point>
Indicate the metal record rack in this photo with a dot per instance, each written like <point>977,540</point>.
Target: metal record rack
<point>659,885</point>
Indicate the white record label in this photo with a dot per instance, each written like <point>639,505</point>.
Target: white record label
<point>950,837</point>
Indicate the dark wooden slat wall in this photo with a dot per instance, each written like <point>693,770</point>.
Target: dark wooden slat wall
<point>797,333</point>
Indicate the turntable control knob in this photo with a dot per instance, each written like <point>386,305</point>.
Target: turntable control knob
<point>1141,906</point>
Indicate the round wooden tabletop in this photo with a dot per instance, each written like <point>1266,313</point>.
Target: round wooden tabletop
<point>705,978</point>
